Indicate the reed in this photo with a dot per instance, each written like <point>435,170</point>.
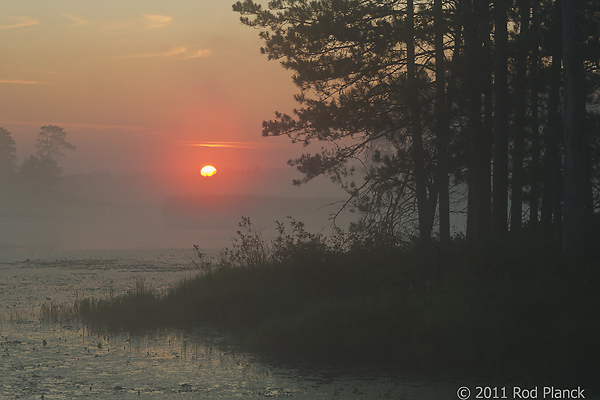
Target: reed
<point>509,305</point>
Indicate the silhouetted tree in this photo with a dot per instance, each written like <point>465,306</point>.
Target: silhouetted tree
<point>425,205</point>
<point>423,93</point>
<point>534,93</point>
<point>51,142</point>
<point>362,89</point>
<point>501,111</point>
<point>575,140</point>
<point>442,120</point>
<point>520,114</point>
<point>8,161</point>
<point>476,27</point>
<point>41,172</point>
<point>553,136</point>
<point>8,155</point>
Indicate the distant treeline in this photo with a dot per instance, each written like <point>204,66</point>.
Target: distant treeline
<point>426,96</point>
<point>40,172</point>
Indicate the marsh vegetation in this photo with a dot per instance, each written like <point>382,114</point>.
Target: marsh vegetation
<point>510,305</point>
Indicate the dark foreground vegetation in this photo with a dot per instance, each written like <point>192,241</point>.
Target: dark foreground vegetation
<point>510,305</point>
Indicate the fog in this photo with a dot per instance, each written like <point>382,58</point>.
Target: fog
<point>146,102</point>
<point>136,211</point>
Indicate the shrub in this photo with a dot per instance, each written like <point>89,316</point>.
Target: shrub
<point>509,305</point>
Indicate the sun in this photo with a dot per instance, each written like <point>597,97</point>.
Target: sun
<point>208,170</point>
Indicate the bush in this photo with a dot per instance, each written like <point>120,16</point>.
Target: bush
<point>509,305</point>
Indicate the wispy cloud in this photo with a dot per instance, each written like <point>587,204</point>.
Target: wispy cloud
<point>148,21</point>
<point>21,22</point>
<point>169,53</point>
<point>82,125</point>
<point>132,128</point>
<point>117,28</point>
<point>54,73</point>
<point>77,21</point>
<point>184,52</point>
<point>198,54</point>
<point>235,145</point>
<point>158,21</point>
<point>20,82</point>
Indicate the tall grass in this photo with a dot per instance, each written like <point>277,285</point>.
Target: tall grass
<point>511,304</point>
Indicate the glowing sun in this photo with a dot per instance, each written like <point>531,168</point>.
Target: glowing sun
<point>208,170</point>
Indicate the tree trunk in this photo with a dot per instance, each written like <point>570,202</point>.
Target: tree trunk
<point>552,201</point>
<point>555,138</point>
<point>535,175</point>
<point>574,118</point>
<point>455,70</point>
<point>441,122</point>
<point>518,156</point>
<point>488,116</point>
<point>500,182</point>
<point>479,193</point>
<point>425,222</point>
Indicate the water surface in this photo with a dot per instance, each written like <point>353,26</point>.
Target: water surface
<point>68,361</point>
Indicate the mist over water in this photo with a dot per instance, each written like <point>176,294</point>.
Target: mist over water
<point>68,360</point>
<point>111,211</point>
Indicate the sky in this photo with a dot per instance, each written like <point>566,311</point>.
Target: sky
<point>142,85</point>
<point>153,90</point>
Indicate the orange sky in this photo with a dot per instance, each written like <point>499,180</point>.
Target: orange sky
<point>138,84</point>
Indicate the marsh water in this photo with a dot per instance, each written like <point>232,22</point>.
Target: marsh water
<point>68,361</point>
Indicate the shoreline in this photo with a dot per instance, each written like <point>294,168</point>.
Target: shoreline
<point>492,310</point>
